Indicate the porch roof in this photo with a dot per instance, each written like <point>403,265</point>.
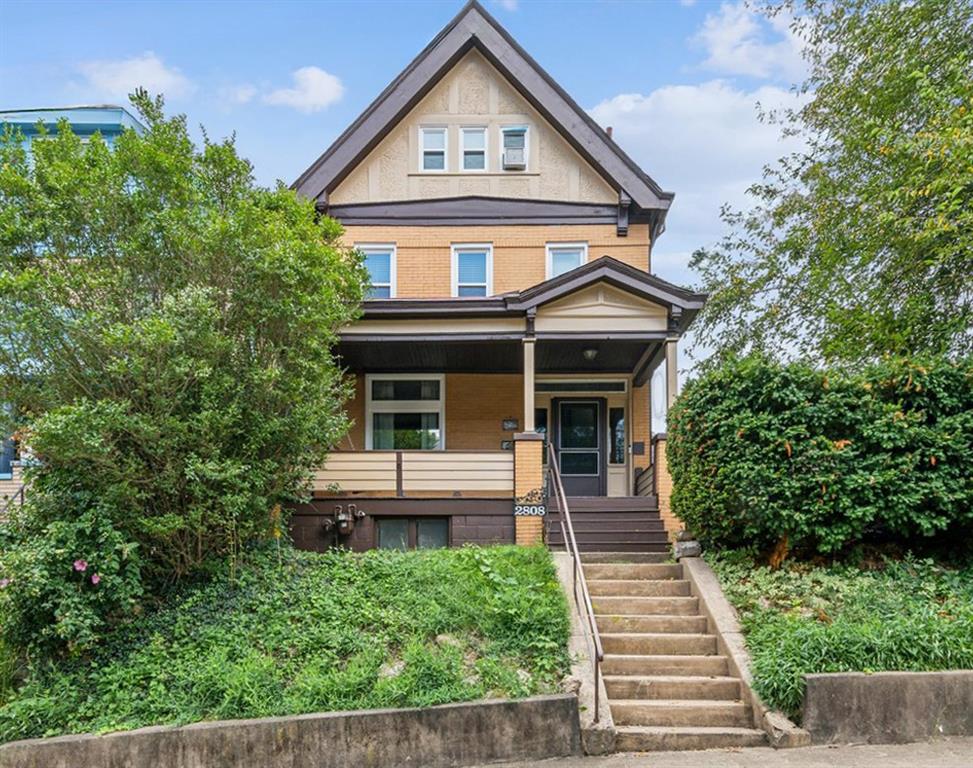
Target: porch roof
<point>486,334</point>
<point>681,303</point>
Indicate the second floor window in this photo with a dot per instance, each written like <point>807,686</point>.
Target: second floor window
<point>474,149</point>
<point>563,257</point>
<point>380,263</point>
<point>433,149</point>
<point>472,270</point>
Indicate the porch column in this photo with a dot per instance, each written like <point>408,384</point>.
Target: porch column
<point>529,384</point>
<point>528,487</point>
<point>663,480</point>
<point>672,374</point>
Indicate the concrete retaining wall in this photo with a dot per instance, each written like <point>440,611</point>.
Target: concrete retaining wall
<point>437,737</point>
<point>888,707</point>
<point>723,622</point>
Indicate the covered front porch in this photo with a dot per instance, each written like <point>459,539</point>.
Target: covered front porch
<point>460,405</point>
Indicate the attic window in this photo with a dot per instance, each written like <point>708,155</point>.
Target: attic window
<point>432,143</point>
<point>474,149</point>
<point>515,148</point>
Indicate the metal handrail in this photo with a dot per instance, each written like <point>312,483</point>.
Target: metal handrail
<point>15,496</point>
<point>571,545</point>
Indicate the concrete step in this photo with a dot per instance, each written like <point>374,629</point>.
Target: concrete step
<point>646,606</point>
<point>659,644</point>
<point>679,665</point>
<point>638,588</point>
<point>636,546</point>
<point>676,713</point>
<point>629,571</point>
<point>672,687</point>
<point>654,739</point>
<point>624,557</point>
<point>695,625</point>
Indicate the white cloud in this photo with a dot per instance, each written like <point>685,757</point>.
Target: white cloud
<point>740,41</point>
<point>116,78</point>
<point>238,94</point>
<point>314,89</point>
<point>705,143</point>
<point>509,5</point>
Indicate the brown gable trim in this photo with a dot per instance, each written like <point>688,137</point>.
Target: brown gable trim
<point>474,27</point>
<point>616,273</point>
<point>472,210</point>
<point>683,304</point>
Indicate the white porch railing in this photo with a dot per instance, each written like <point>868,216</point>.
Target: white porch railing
<point>404,472</point>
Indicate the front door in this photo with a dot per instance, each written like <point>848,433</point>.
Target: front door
<point>579,441</point>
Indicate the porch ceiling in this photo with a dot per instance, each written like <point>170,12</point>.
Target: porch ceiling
<point>616,355</point>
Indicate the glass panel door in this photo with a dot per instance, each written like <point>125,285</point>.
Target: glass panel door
<point>578,436</point>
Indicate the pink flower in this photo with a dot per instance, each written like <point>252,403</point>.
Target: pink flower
<point>4,583</point>
<point>95,578</point>
<point>80,565</point>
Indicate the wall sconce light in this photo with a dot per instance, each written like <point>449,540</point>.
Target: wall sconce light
<point>590,354</point>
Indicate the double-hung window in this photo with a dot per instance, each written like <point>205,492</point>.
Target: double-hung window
<point>432,148</point>
<point>474,149</point>
<point>563,257</point>
<point>404,412</point>
<point>472,270</point>
<point>380,263</point>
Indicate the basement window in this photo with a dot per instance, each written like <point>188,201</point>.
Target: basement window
<point>404,533</point>
<point>432,146</point>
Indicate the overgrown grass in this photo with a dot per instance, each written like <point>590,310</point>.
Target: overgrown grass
<point>316,633</point>
<point>908,615</point>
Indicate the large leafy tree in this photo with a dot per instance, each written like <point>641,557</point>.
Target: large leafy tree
<point>166,334</point>
<point>861,244</point>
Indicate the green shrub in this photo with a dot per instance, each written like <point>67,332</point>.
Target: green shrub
<point>64,582</point>
<point>315,633</point>
<point>801,619</point>
<point>762,453</point>
<point>168,330</point>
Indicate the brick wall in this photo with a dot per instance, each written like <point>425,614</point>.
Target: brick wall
<point>424,256</point>
<point>528,478</point>
<point>476,405</point>
<point>663,485</point>
<point>641,425</point>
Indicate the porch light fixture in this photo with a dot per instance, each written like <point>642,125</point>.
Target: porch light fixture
<point>590,354</point>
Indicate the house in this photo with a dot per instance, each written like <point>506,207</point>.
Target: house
<point>513,318</point>
<point>108,120</point>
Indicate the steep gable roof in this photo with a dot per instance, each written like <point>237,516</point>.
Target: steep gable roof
<point>472,28</point>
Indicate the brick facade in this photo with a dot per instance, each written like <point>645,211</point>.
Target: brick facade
<point>424,254</point>
<point>528,480</point>
<point>663,487</point>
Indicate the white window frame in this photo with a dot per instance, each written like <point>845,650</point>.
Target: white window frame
<point>405,406</point>
<point>465,129</point>
<point>551,247</point>
<point>423,129</point>
<point>383,247</point>
<point>458,248</point>
<point>527,132</point>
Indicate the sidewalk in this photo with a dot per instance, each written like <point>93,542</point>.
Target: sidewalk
<point>947,753</point>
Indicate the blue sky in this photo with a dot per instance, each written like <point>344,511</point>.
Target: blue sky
<point>678,81</point>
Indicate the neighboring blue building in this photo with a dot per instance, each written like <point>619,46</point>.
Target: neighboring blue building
<point>107,119</point>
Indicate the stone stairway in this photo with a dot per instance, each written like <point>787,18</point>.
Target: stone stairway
<point>668,687</point>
